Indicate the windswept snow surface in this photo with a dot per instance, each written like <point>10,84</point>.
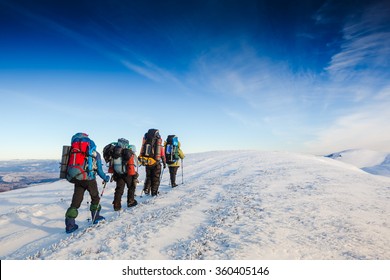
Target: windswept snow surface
<point>234,205</point>
<point>373,162</point>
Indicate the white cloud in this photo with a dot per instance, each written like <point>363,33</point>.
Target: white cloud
<point>143,71</point>
<point>243,73</point>
<point>115,50</point>
<point>243,119</point>
<point>365,47</point>
<point>384,94</point>
<point>151,71</point>
<point>367,128</point>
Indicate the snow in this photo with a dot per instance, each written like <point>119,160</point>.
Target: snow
<point>233,205</point>
<point>10,178</point>
<point>360,157</point>
<point>370,161</point>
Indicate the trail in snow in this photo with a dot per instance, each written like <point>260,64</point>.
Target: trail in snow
<point>233,205</point>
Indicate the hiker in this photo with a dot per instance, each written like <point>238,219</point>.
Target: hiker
<point>173,155</point>
<point>123,164</point>
<point>84,162</point>
<point>152,156</point>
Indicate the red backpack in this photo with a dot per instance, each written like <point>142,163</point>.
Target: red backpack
<point>80,165</point>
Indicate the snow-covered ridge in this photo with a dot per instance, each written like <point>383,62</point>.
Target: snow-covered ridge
<point>233,205</point>
<point>370,161</point>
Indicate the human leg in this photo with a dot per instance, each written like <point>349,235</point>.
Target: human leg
<point>155,176</point>
<point>148,179</point>
<point>131,185</point>
<point>172,174</point>
<point>72,211</point>
<point>95,201</point>
<point>120,186</point>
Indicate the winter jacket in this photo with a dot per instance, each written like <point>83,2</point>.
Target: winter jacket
<point>97,166</point>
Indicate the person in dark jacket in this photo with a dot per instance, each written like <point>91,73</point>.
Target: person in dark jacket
<point>125,173</point>
<point>153,162</point>
<point>173,167</point>
<point>153,176</point>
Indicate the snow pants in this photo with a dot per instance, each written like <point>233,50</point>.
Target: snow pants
<point>79,189</point>
<point>172,174</point>
<point>121,182</point>
<point>152,181</point>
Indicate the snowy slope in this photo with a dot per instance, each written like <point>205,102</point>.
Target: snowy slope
<point>233,205</point>
<point>373,162</point>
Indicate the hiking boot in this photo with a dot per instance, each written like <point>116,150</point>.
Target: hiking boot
<point>174,185</point>
<point>146,191</point>
<point>70,224</point>
<point>96,215</point>
<point>116,206</point>
<point>132,204</point>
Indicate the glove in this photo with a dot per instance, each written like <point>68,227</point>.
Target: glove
<point>165,165</point>
<point>107,179</point>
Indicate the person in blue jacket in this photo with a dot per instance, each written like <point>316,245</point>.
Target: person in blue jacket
<point>88,184</point>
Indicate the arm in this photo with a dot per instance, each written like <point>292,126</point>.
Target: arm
<point>100,169</point>
<point>181,154</point>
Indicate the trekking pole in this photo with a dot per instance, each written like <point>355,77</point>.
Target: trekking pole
<point>138,165</point>
<point>101,195</point>
<point>182,172</point>
<point>162,174</point>
<point>88,207</point>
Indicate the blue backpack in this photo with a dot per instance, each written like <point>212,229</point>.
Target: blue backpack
<point>172,149</point>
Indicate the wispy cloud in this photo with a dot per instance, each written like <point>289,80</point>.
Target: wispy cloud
<point>54,25</point>
<point>111,47</point>
<point>144,70</point>
<point>150,71</point>
<point>366,45</point>
<point>383,95</point>
<point>359,81</point>
<point>245,74</point>
<point>243,119</point>
<point>365,127</point>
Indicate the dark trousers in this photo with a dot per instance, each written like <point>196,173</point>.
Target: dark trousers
<point>152,181</point>
<point>121,182</point>
<point>79,189</point>
<point>172,174</point>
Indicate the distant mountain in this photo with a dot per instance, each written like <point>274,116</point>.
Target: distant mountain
<point>380,169</point>
<point>373,162</point>
<point>48,166</point>
<point>16,174</point>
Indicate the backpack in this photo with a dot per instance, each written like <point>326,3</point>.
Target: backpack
<point>108,153</point>
<point>121,157</point>
<point>64,161</point>
<point>151,148</point>
<point>80,162</point>
<point>172,149</point>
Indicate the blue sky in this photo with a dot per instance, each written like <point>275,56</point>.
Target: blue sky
<point>300,76</point>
